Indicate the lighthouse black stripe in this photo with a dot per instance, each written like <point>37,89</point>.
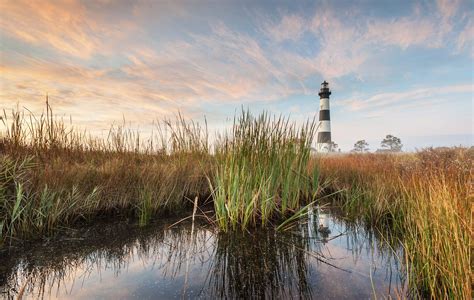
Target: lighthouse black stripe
<point>324,115</point>
<point>324,137</point>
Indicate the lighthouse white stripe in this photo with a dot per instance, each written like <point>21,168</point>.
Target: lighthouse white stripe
<point>324,103</point>
<point>324,126</point>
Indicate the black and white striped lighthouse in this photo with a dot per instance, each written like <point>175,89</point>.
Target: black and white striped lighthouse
<point>324,128</point>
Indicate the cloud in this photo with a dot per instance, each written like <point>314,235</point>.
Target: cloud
<point>67,27</point>
<point>91,96</point>
<point>464,41</point>
<point>448,8</point>
<point>222,66</point>
<point>404,32</point>
<point>45,23</point>
<point>425,28</point>
<point>339,55</point>
<point>348,40</point>
<point>414,98</point>
<point>290,27</point>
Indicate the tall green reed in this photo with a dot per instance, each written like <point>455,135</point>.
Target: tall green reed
<point>262,170</point>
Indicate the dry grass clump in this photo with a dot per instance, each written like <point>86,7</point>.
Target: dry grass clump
<point>426,198</point>
<point>52,174</point>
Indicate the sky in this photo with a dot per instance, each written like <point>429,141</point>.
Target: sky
<point>395,67</point>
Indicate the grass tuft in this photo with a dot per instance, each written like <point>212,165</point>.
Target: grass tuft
<point>262,171</point>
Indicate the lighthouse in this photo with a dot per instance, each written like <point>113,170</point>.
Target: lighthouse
<point>324,126</point>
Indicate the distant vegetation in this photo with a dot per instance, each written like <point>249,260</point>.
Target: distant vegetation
<point>361,146</point>
<point>389,144</point>
<point>259,174</point>
<point>425,199</point>
<point>392,143</point>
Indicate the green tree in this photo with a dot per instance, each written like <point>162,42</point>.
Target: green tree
<point>361,146</point>
<point>392,143</point>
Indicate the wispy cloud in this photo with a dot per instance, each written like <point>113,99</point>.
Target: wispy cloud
<point>348,40</point>
<point>465,38</point>
<point>67,27</point>
<point>222,66</point>
<point>417,97</point>
<point>289,27</point>
<point>404,32</point>
<point>62,25</point>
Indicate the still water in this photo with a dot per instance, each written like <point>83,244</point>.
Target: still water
<point>160,261</point>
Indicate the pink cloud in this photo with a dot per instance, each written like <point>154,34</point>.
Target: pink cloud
<point>67,27</point>
<point>61,25</point>
<point>290,27</point>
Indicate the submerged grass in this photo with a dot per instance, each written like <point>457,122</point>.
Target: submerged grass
<point>426,199</point>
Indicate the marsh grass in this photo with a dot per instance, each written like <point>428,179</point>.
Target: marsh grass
<point>424,198</point>
<point>262,171</point>
<point>53,174</point>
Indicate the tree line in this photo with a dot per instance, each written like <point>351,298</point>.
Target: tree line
<point>390,143</point>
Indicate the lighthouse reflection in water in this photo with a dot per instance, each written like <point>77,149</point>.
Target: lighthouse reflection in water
<point>319,224</point>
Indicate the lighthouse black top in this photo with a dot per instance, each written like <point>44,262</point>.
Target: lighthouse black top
<point>324,92</point>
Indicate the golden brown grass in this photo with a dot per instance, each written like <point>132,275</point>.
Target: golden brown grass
<point>52,174</point>
<point>426,199</point>
<point>57,174</point>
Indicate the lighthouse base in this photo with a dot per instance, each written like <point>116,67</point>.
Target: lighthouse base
<point>323,147</point>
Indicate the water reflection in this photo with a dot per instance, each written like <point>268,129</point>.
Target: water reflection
<point>259,265</point>
<point>123,261</point>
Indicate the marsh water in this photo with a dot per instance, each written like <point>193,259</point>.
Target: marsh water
<point>169,261</point>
